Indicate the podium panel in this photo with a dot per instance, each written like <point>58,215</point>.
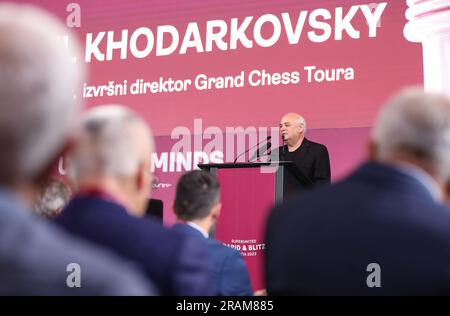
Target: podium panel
<point>248,193</point>
<point>245,206</point>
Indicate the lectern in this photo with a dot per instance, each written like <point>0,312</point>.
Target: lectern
<point>248,193</point>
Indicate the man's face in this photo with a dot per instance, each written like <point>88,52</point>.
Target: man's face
<point>290,130</point>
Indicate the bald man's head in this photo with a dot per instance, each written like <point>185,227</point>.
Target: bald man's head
<point>292,128</point>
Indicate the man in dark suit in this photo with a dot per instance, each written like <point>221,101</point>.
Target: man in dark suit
<point>311,166</point>
<point>197,205</point>
<point>384,230</point>
<point>110,165</point>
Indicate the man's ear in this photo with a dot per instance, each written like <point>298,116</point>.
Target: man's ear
<point>301,128</point>
<point>215,213</point>
<point>141,177</point>
<point>372,150</point>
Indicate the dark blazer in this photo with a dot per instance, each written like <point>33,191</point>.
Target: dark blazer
<point>313,162</point>
<point>229,272</point>
<point>322,243</point>
<point>176,262</point>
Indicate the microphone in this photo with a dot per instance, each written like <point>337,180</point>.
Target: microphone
<point>261,150</point>
<point>257,145</point>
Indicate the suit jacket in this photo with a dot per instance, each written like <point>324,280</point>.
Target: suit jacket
<point>323,242</point>
<point>34,257</point>
<point>312,161</point>
<point>230,276</point>
<point>177,263</point>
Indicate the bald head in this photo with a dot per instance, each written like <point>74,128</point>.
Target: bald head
<point>292,128</point>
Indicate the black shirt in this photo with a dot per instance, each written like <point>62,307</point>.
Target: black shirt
<point>292,183</point>
<point>289,155</point>
<point>311,166</point>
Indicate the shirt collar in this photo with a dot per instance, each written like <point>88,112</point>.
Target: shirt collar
<point>424,178</point>
<point>97,192</point>
<point>195,226</point>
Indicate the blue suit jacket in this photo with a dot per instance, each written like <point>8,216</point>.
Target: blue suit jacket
<point>176,262</point>
<point>229,272</point>
<point>323,242</point>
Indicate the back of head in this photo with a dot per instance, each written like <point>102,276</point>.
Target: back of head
<point>112,154</point>
<point>197,193</point>
<point>416,124</point>
<point>112,141</point>
<point>37,86</point>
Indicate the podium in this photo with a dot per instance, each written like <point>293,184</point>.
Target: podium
<point>248,192</point>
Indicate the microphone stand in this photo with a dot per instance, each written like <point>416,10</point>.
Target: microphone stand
<point>257,145</point>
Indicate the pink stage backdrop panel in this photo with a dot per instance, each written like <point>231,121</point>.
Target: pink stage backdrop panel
<point>362,38</point>
<point>381,59</point>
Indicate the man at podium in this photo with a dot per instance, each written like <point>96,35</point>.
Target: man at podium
<point>311,163</point>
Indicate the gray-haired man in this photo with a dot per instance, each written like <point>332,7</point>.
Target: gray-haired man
<point>37,82</point>
<point>384,230</point>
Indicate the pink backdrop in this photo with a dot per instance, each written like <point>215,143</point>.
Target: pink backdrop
<point>382,64</point>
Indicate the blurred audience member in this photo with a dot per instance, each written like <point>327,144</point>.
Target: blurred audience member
<point>53,195</point>
<point>110,165</point>
<point>197,205</point>
<point>384,230</point>
<point>37,83</point>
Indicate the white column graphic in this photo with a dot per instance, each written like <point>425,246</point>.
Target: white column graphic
<point>429,24</point>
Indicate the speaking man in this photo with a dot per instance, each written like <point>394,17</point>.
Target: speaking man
<point>311,163</point>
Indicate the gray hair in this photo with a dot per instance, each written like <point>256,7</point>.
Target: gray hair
<point>107,143</point>
<point>301,120</point>
<point>418,123</point>
<point>37,82</point>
